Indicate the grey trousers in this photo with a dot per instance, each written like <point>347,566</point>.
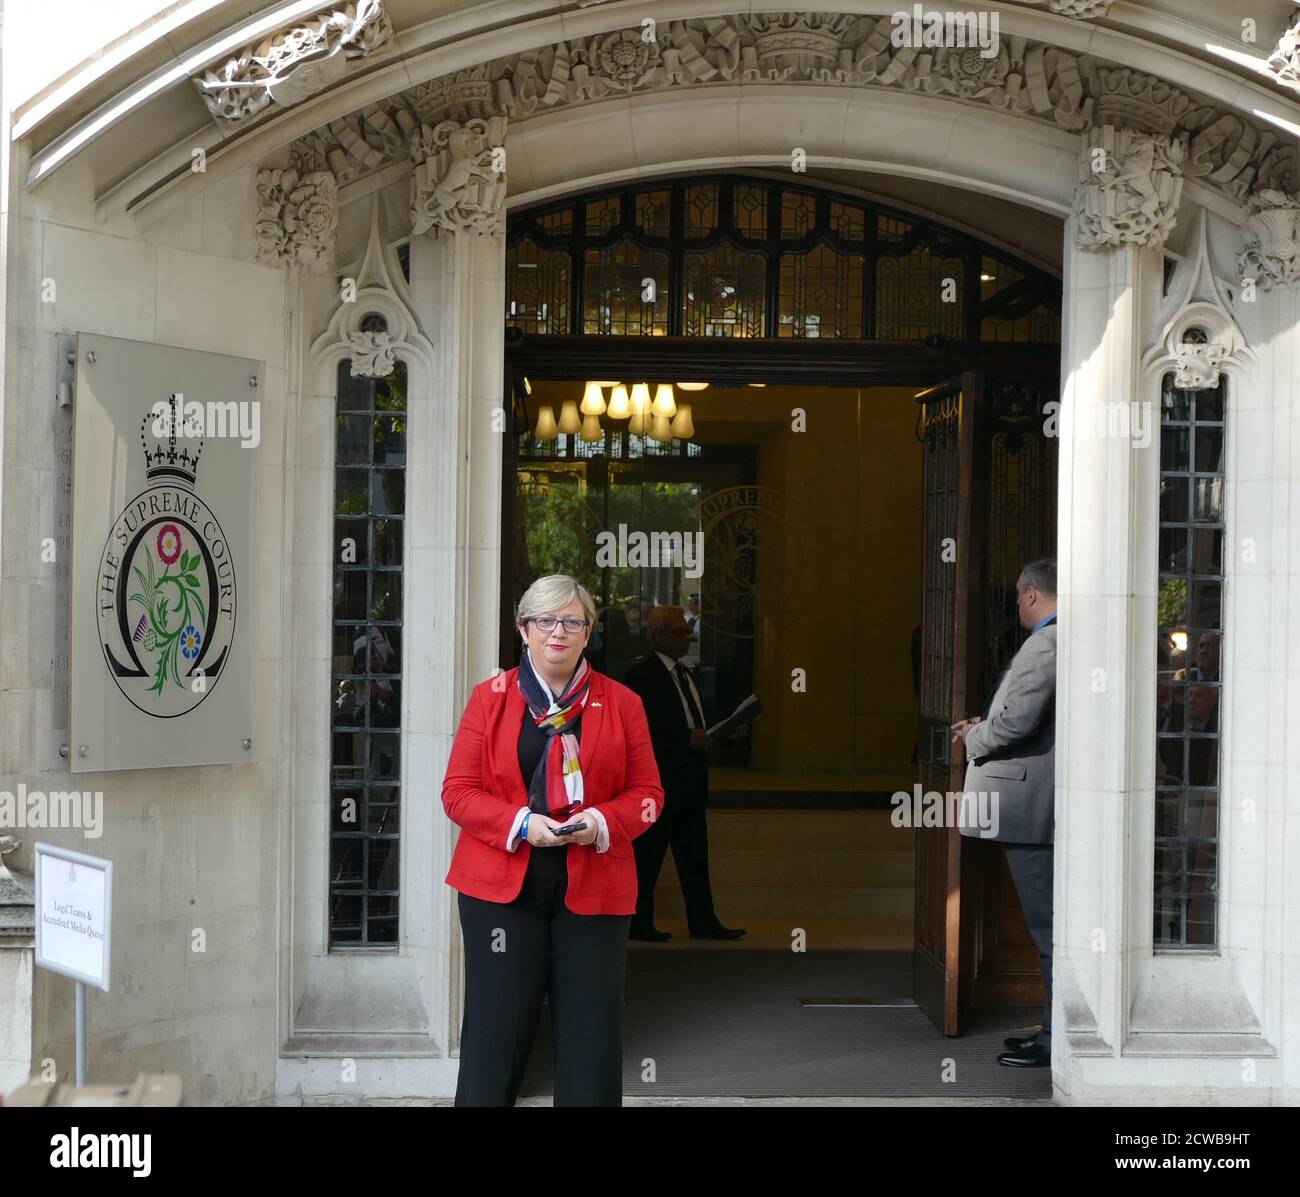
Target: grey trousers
<point>1031,870</point>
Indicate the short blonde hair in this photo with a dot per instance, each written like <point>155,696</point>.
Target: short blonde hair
<point>551,593</point>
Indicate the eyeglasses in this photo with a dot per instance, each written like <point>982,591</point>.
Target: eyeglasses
<point>546,623</point>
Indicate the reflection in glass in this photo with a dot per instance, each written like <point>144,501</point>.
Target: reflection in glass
<point>1189,690</point>
<point>365,690</point>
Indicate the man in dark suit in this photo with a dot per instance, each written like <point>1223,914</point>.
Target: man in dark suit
<point>675,712</point>
<point>1011,759</point>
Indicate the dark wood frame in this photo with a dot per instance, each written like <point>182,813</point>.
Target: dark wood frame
<point>1034,288</point>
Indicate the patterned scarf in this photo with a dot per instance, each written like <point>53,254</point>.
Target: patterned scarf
<point>555,789</point>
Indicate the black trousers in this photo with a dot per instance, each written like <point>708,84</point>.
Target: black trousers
<point>518,952</point>
<point>685,827</point>
<point>1031,870</point>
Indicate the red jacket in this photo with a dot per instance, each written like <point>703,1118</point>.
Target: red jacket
<point>483,791</point>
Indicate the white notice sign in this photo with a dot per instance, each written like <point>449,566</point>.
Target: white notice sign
<point>74,905</point>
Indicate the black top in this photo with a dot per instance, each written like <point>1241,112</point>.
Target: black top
<point>532,743</point>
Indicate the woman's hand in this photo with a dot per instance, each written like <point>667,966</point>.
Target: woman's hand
<point>541,832</point>
<point>587,836</point>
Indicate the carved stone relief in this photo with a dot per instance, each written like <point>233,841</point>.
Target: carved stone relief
<point>1027,78</point>
<point>296,216</point>
<point>1129,187</point>
<point>1284,62</point>
<point>294,63</point>
<point>458,184</point>
<point>1272,252</point>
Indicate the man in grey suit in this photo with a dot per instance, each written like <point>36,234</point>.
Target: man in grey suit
<point>1013,753</point>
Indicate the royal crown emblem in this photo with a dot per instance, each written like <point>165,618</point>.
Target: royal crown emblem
<point>164,461</point>
<point>166,600</point>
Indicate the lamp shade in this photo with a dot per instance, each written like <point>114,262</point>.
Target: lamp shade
<point>664,404</point>
<point>683,425</point>
<point>661,429</point>
<point>692,386</point>
<point>619,407</point>
<point>569,419</point>
<point>591,431</point>
<point>640,424</point>
<point>640,399</point>
<point>593,402</point>
<point>546,429</point>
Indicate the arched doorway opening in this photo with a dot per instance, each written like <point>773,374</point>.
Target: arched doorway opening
<point>865,389</point>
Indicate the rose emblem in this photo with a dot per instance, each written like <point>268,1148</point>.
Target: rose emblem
<point>625,58</point>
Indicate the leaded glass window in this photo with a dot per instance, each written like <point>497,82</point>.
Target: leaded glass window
<point>366,660</point>
<point>1189,650</point>
<point>724,293</point>
<point>626,290</point>
<point>1011,308</point>
<point>798,215</point>
<point>821,294</point>
<point>701,216</point>
<point>736,256</point>
<point>603,215</point>
<point>654,213</point>
<point>749,210</point>
<point>537,282</point>
<point>920,294</point>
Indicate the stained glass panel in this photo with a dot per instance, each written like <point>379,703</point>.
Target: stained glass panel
<point>820,294</point>
<point>537,288</point>
<point>625,291</point>
<point>724,293</point>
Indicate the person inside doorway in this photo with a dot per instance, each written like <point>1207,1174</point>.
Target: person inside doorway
<point>544,902</point>
<point>675,713</point>
<point>1011,756</point>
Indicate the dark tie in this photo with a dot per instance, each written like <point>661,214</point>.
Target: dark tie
<point>697,716</point>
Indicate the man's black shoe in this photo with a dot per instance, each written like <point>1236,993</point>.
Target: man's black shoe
<point>1035,1056</point>
<point>1020,1045</point>
<point>719,932</point>
<point>651,936</point>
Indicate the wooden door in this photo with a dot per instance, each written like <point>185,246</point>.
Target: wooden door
<point>989,506</point>
<point>949,584</point>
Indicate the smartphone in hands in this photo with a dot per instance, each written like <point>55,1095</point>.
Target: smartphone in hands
<point>569,829</point>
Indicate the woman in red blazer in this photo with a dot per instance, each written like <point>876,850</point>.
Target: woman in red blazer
<point>552,776</point>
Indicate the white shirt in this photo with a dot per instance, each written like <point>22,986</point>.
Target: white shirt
<point>671,666</point>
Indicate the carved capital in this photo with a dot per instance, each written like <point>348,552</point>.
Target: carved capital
<point>296,216</point>
<point>1284,62</point>
<point>1128,188</point>
<point>458,184</point>
<point>294,62</point>
<point>373,353</point>
<point>1272,252</point>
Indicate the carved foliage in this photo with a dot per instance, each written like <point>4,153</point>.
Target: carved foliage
<point>296,216</point>
<point>1272,252</point>
<point>1032,79</point>
<point>296,62</point>
<point>1284,62</point>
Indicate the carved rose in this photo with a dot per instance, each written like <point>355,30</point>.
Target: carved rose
<point>296,217</point>
<point>625,58</point>
<point>971,72</point>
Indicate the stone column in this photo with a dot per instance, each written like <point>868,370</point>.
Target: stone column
<point>17,948</point>
<point>458,288</point>
<point>1125,205</point>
